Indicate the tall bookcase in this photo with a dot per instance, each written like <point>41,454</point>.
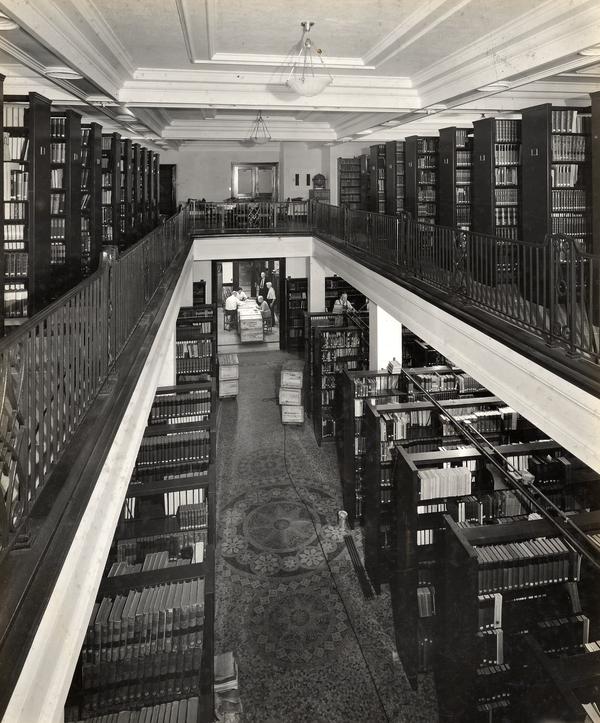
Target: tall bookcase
<point>27,272</point>
<point>455,162</point>
<point>65,200</point>
<point>296,299</point>
<point>556,174</point>
<point>349,182</point>
<point>312,320</point>
<point>154,187</point>
<point>365,182</point>
<point>91,197</point>
<point>111,188</point>
<point>394,177</point>
<point>150,641</point>
<point>196,343</point>
<point>146,157</point>
<point>497,177</point>
<point>421,178</point>
<point>336,348</point>
<point>126,198</point>
<point>138,203</point>
<point>378,171</point>
<point>335,285</point>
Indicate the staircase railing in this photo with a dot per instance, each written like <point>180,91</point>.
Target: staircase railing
<point>54,365</point>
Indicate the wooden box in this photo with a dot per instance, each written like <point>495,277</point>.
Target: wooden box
<point>228,366</point>
<point>292,374</point>
<point>228,388</point>
<point>292,415</point>
<point>290,396</point>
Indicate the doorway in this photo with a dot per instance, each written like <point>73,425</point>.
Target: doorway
<point>255,181</point>
<point>229,276</point>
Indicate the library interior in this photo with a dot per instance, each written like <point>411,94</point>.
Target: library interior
<point>300,361</point>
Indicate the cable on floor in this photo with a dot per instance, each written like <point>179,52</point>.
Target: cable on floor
<point>331,575</point>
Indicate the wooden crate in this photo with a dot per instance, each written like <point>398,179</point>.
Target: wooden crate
<point>228,388</point>
<point>292,415</point>
<point>291,374</point>
<point>228,366</point>
<point>289,396</point>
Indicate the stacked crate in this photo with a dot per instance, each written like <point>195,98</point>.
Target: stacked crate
<point>229,374</point>
<point>290,393</point>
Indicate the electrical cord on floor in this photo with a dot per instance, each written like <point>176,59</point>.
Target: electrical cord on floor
<point>331,575</point>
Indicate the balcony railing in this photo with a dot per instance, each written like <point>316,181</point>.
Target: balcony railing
<point>53,366</point>
<point>285,216</point>
<point>550,289</point>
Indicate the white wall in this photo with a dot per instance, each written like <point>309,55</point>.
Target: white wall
<point>207,173</point>
<point>297,268</point>
<point>300,158</point>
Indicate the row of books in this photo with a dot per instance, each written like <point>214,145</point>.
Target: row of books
<point>426,601</point>
<point>16,148</point>
<point>569,148</point>
<point>85,152</point>
<point>506,176</point>
<point>494,505</point>
<point>16,264</point>
<point>57,227</point>
<point>535,562</point>
<point>425,537</point>
<point>85,201</point>
<point>427,162</point>
<point>158,561</point>
<point>174,447</point>
<point>15,300</point>
<point>507,154</point>
<point>58,127</point>
<point>172,500</point>
<point>57,203</point>
<point>569,223</point>
<point>427,177</point>
<point>337,339</point>
<point>194,365</point>
<point>435,382</point>
<point>506,196</point>
<point>570,121</point>
<point>58,152</point>
<point>13,114</point>
<point>426,194</point>
<point>106,196</point>
<point>427,145</point>
<point>426,209</point>
<point>463,194</point>
<point>182,711</point>
<point>16,183</point>
<point>445,482</point>
<point>194,406</point>
<point>370,386</point>
<point>14,210</point>
<point>14,232</point>
<point>194,349</point>
<point>151,619</point>
<point>463,216</point>
<point>463,175</point>
<point>572,199</point>
<point>176,543</point>
<point>506,215</point>
<point>564,174</point>
<point>58,253</point>
<point>508,131</point>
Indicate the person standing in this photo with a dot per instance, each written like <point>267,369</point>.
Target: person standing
<point>272,300</point>
<point>231,305</point>
<point>261,287</point>
<point>342,304</point>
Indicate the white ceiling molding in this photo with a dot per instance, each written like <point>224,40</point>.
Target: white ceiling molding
<point>276,61</point>
<point>551,50</point>
<point>197,22</point>
<point>390,46</point>
<point>238,128</point>
<point>50,26</point>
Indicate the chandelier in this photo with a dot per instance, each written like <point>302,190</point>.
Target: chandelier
<point>259,132</point>
<point>302,78</point>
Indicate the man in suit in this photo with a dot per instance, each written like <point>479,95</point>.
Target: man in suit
<point>261,287</point>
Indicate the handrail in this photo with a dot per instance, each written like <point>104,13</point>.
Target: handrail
<point>53,366</point>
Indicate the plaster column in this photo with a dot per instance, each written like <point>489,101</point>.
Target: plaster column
<point>385,337</point>
<point>316,286</point>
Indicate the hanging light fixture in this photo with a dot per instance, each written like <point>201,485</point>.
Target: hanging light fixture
<point>259,133</point>
<point>302,78</point>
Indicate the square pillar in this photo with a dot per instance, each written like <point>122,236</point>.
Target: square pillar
<point>385,337</point>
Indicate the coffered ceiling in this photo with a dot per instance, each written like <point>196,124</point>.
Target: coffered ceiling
<point>196,71</point>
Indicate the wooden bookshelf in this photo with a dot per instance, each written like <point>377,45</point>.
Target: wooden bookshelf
<point>377,169</point>
<point>296,299</point>
<point>111,188</point>
<point>91,197</point>
<point>335,286</point>
<point>354,388</point>
<point>312,320</point>
<point>196,343</point>
<point>540,597</point>
<point>421,178</point>
<point>154,188</point>
<point>65,200</point>
<point>126,214</point>
<point>455,163</point>
<point>417,353</point>
<point>349,170</point>
<point>161,561</point>
<point>138,199</point>
<point>336,348</point>
<point>145,189</point>
<point>365,183</point>
<point>27,268</point>
<point>394,177</point>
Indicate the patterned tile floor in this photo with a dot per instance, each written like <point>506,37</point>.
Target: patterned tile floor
<point>309,647</point>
